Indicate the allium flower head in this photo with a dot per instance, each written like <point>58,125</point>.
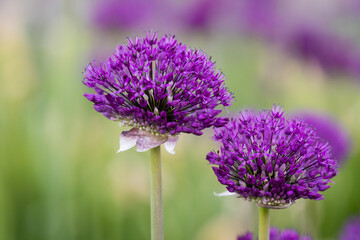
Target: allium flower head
<point>271,160</point>
<point>159,87</point>
<point>275,234</point>
<point>351,230</point>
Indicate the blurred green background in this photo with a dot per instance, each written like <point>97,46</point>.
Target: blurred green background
<point>60,175</point>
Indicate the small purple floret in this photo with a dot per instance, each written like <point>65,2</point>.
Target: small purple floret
<point>351,230</point>
<point>271,160</point>
<point>246,236</point>
<point>159,86</point>
<point>275,234</point>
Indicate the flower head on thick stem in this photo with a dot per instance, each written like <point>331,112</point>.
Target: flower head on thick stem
<point>160,88</point>
<point>271,160</point>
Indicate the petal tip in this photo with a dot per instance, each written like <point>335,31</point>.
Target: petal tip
<point>224,194</point>
<point>170,144</point>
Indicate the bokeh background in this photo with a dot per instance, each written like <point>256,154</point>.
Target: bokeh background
<point>60,176</point>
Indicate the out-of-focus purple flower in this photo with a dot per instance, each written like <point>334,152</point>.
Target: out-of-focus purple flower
<point>332,54</point>
<point>332,132</point>
<point>261,17</point>
<point>271,160</point>
<point>201,14</point>
<point>159,87</point>
<point>122,14</point>
<point>351,7</point>
<point>302,33</point>
<point>351,231</point>
<point>208,15</point>
<point>275,234</point>
<point>246,236</point>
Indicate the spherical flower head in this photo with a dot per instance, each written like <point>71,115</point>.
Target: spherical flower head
<point>275,234</point>
<point>351,230</point>
<point>331,131</point>
<point>270,160</point>
<point>159,87</point>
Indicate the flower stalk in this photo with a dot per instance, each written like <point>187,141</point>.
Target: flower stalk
<point>157,232</point>
<point>264,223</point>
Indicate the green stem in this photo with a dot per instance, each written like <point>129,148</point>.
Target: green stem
<point>264,223</point>
<point>157,232</point>
<point>311,218</point>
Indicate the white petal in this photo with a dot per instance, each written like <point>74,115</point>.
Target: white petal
<point>225,194</point>
<point>148,141</point>
<point>128,139</point>
<point>171,143</point>
<point>144,140</point>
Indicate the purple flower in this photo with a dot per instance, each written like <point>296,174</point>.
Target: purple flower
<point>332,132</point>
<point>122,14</point>
<point>261,17</point>
<point>331,53</point>
<point>271,160</point>
<point>351,230</point>
<point>246,236</point>
<point>204,15</point>
<point>299,29</point>
<point>275,234</point>
<point>201,13</point>
<point>159,87</point>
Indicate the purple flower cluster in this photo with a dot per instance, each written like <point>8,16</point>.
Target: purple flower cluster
<point>351,230</point>
<point>275,234</point>
<point>271,160</point>
<point>159,86</point>
<point>332,132</point>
